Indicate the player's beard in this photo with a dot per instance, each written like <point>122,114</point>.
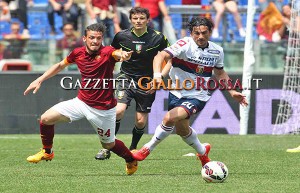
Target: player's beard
<point>93,51</point>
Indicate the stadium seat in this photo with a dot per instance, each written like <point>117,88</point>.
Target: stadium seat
<point>205,2</point>
<point>40,2</point>
<point>39,27</point>
<point>242,2</point>
<point>15,65</point>
<point>177,23</point>
<point>58,23</point>
<point>4,27</point>
<point>173,2</point>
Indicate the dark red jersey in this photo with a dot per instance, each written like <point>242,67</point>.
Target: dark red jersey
<point>96,88</point>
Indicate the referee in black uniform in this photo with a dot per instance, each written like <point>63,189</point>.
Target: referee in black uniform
<point>146,43</point>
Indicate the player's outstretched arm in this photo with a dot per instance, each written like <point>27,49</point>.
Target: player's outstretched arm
<point>121,55</point>
<point>52,71</point>
<point>158,61</point>
<point>239,97</point>
<point>166,69</point>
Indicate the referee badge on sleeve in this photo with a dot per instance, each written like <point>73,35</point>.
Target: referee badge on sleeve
<point>120,94</point>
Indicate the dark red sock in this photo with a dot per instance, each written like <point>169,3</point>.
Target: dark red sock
<point>121,150</point>
<point>47,135</point>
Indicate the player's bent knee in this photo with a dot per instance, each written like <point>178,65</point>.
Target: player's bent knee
<point>120,114</point>
<point>169,121</point>
<point>46,120</point>
<point>141,123</point>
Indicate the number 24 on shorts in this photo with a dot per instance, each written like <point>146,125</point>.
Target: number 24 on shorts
<point>101,132</point>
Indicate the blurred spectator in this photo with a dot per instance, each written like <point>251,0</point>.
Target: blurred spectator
<point>123,13</point>
<point>186,17</point>
<point>157,9</point>
<point>263,4</point>
<point>105,12</point>
<point>285,29</point>
<point>69,41</point>
<point>67,9</point>
<point>18,9</point>
<point>17,41</point>
<point>124,3</point>
<point>269,23</point>
<point>283,32</point>
<point>4,11</point>
<point>3,45</point>
<point>231,6</point>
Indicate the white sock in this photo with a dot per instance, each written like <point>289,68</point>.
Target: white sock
<point>192,140</point>
<point>161,132</point>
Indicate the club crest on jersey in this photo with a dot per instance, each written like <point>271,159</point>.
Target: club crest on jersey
<point>138,48</point>
<point>97,57</point>
<point>199,69</point>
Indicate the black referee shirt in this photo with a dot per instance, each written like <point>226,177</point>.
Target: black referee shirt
<point>145,47</point>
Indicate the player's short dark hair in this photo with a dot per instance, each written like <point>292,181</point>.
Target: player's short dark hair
<point>136,10</point>
<point>197,21</point>
<point>98,27</point>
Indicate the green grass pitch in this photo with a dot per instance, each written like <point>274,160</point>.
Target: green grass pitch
<point>256,163</point>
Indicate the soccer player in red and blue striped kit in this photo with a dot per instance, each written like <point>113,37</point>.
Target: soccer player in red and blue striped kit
<point>98,106</point>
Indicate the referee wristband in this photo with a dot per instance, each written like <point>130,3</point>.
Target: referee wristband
<point>157,75</point>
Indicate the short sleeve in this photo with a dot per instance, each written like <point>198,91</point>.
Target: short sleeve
<point>220,63</point>
<point>116,40</point>
<point>177,48</point>
<point>71,57</point>
<point>164,43</point>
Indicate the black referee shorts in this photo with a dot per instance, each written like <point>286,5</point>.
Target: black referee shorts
<point>142,99</point>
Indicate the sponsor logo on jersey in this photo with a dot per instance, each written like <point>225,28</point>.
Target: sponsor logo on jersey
<point>204,60</point>
<point>138,48</point>
<point>181,43</point>
<point>138,42</point>
<point>213,51</point>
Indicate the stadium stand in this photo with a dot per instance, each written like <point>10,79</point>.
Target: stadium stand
<point>38,47</point>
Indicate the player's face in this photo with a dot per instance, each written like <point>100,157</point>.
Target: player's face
<point>139,21</point>
<point>93,41</point>
<point>201,35</point>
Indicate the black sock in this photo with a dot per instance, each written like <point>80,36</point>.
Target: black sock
<point>118,123</point>
<point>136,136</point>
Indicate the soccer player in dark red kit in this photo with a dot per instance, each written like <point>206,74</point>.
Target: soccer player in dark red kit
<point>146,43</point>
<point>98,106</point>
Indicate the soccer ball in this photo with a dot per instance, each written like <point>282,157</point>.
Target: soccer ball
<point>214,171</point>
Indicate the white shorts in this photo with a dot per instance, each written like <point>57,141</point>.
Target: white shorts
<point>103,121</point>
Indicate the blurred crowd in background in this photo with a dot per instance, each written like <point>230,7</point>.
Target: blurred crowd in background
<point>22,21</point>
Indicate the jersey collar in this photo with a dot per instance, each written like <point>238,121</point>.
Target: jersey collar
<point>132,31</point>
<point>205,46</point>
